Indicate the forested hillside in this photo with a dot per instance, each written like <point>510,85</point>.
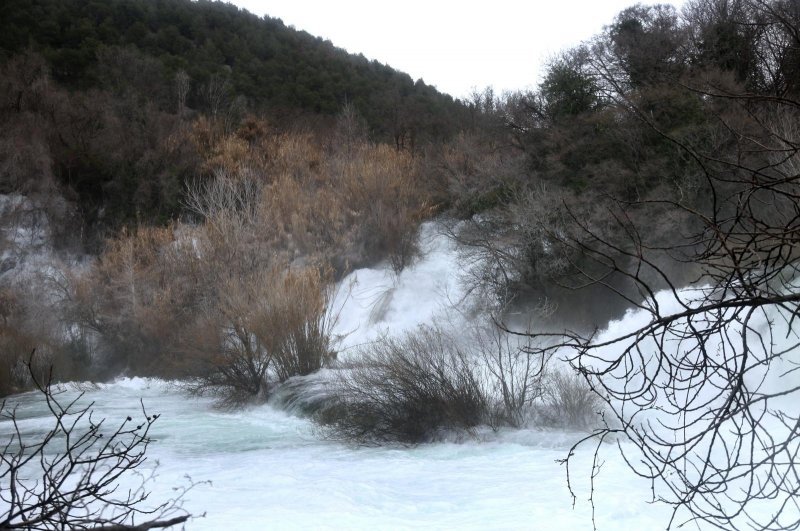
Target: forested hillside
<point>100,101</point>
<point>136,126</point>
<point>639,146</point>
<point>225,52</point>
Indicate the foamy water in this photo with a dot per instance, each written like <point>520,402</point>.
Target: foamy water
<point>372,302</point>
<point>271,470</point>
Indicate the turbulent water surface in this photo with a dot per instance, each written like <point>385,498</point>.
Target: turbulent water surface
<point>272,470</point>
<point>264,468</point>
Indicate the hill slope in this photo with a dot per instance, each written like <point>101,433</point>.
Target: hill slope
<point>219,46</point>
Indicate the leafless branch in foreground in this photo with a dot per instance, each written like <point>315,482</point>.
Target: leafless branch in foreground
<point>701,395</point>
<point>79,474</point>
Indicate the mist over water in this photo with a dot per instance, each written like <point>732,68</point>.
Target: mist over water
<point>263,467</point>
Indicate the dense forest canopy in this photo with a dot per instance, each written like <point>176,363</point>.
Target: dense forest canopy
<point>275,67</point>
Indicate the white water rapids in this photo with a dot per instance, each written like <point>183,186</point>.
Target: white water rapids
<point>271,470</point>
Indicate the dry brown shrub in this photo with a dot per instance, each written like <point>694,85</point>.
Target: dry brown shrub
<point>275,198</point>
<point>26,324</point>
<point>217,300</point>
<point>138,297</point>
<point>254,130</point>
<point>309,224</point>
<point>242,151</point>
<point>233,232</point>
<point>231,154</point>
<point>133,271</point>
<point>14,344</point>
<point>350,206</point>
<point>301,305</point>
<point>232,359</point>
<point>265,328</point>
<point>387,200</point>
<point>297,156</point>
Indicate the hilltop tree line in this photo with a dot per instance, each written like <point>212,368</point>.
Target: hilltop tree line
<point>97,97</point>
<point>224,53</point>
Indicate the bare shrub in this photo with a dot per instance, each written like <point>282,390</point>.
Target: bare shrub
<point>569,401</point>
<point>13,345</point>
<point>138,298</point>
<point>233,359</point>
<point>388,198</point>
<point>281,207</point>
<point>407,390</point>
<point>516,374</point>
<point>69,478</point>
<point>27,322</point>
<point>509,250</point>
<point>265,329</point>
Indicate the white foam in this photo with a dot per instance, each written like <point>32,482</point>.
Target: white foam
<point>270,469</point>
<point>372,302</point>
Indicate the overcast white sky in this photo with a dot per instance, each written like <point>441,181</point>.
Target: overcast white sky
<point>454,46</point>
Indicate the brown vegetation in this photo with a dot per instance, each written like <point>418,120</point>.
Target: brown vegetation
<point>263,330</point>
<point>240,297</point>
<point>353,204</point>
